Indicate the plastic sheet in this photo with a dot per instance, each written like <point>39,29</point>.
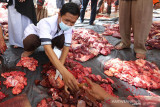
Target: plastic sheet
<point>37,93</point>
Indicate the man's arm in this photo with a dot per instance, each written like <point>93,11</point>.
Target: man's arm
<point>68,78</point>
<point>100,94</point>
<point>3,46</point>
<point>65,51</point>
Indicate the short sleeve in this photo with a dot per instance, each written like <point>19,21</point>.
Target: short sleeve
<point>68,37</point>
<point>44,32</point>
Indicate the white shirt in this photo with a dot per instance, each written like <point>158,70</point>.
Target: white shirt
<point>47,29</point>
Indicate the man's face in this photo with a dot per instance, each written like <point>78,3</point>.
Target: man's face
<point>68,19</point>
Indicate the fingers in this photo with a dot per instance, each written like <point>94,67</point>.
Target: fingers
<point>89,91</point>
<point>89,81</point>
<point>72,85</point>
<point>66,89</point>
<point>2,51</point>
<point>76,85</point>
<point>4,48</point>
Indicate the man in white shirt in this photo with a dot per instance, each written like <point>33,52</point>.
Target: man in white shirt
<point>54,31</point>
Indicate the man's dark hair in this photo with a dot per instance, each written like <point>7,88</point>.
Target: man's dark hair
<point>71,8</point>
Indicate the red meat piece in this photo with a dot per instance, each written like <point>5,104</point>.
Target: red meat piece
<point>87,44</point>
<point>28,62</point>
<point>2,95</point>
<point>108,88</point>
<point>16,80</point>
<point>108,33</point>
<point>116,35</point>
<point>145,101</point>
<point>154,43</point>
<point>46,103</point>
<point>58,83</point>
<point>81,103</point>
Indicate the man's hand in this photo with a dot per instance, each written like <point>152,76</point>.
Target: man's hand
<point>157,6</point>
<point>96,91</point>
<point>3,46</point>
<point>70,82</point>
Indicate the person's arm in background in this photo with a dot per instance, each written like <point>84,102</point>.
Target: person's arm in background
<point>101,95</point>
<point>156,4</point>
<point>3,46</point>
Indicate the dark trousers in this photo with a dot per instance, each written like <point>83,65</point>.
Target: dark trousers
<point>32,42</point>
<point>59,3</point>
<point>99,5</point>
<point>117,2</point>
<point>93,10</point>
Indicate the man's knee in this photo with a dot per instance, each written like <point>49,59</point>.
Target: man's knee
<point>31,43</point>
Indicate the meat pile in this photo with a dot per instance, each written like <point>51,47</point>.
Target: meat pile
<point>111,30</point>
<point>87,44</point>
<point>16,80</point>
<point>98,16</point>
<point>144,101</point>
<point>28,62</point>
<point>60,98</point>
<point>3,13</point>
<point>140,73</point>
<point>2,95</point>
<point>153,40</point>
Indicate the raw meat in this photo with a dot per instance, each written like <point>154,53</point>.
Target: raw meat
<point>49,77</point>
<point>74,99</point>
<point>16,80</point>
<point>47,103</point>
<point>28,62</point>
<point>58,83</point>
<point>2,95</point>
<point>87,44</point>
<point>140,73</point>
<point>111,29</point>
<point>153,40</point>
<point>144,101</point>
<point>3,14</point>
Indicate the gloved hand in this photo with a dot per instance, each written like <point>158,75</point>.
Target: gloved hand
<point>58,74</point>
<point>58,53</point>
